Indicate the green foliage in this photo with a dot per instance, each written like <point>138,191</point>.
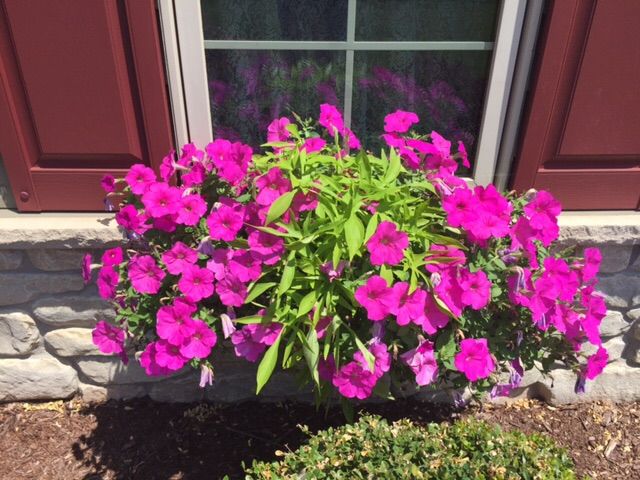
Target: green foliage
<point>466,450</point>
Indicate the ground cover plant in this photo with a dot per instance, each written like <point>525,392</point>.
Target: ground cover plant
<point>363,274</point>
<point>374,448</point>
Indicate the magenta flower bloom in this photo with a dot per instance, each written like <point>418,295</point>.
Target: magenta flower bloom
<point>354,381</point>
<point>244,266</point>
<point>422,362</point>
<point>313,145</point>
<point>387,245</point>
<point>231,159</point>
<point>194,176</point>
<point>462,151</point>
<point>224,223</point>
<point>108,183</point>
<point>108,338</point>
<point>140,178</point>
<point>129,219</point>
<point>200,343</point>
<point>266,247</point>
<point>196,283</point>
<point>267,333</point>
<point>352,141</point>
<point>112,257</point>
<point>331,119</point>
<point>149,363</point>
<point>174,322</point>
<point>399,121</point>
<point>232,291</point>
<point>376,297</point>
<point>592,260</point>
<point>461,206</point>
<point>327,368</point>
<point>474,359</point>
<point>333,273</point>
<point>408,307</point>
<point>382,362</point>
<point>277,130</point>
<point>433,319</point>
<point>271,185</point>
<point>442,257</point>
<point>192,208</point>
<point>596,363</point>
<point>219,262</point>
<point>179,258</point>
<point>160,199</point>
<point>251,340</point>
<point>86,268</point>
<point>169,356</point>
<point>167,167</point>
<point>304,202</point>
<point>476,289</point>
<point>145,275</point>
<point>543,204</point>
<point>107,282</point>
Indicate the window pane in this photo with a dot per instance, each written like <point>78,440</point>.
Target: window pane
<point>320,20</point>
<point>249,88</point>
<point>445,89</point>
<point>426,20</point>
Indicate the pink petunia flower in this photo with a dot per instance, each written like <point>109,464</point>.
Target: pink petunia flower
<point>433,319</point>
<point>382,358</point>
<point>167,167</point>
<point>224,223</point>
<point>145,275</point>
<point>331,272</point>
<point>354,381</point>
<point>442,257</point>
<point>476,289</point>
<point>140,178</point>
<point>160,200</point>
<point>376,297</point>
<point>200,343</point>
<point>461,206</point>
<point>245,345</point>
<point>169,356</point>
<point>194,176</point>
<point>108,183</point>
<point>219,262</point>
<point>192,208</point>
<point>108,280</point>
<point>108,338</point>
<point>387,245</point>
<point>596,363</point>
<point>149,362</point>
<point>474,359</point>
<point>86,268</point>
<point>422,362</point>
<point>231,159</point>
<point>327,368</point>
<point>112,257</point>
<point>232,291</point>
<point>462,151</point>
<point>179,258</point>
<point>277,130</point>
<point>129,219</point>
<point>592,260</point>
<point>196,283</point>
<point>331,119</point>
<point>272,185</point>
<point>313,145</point>
<point>399,121</point>
<point>408,307</point>
<point>266,247</point>
<point>174,322</point>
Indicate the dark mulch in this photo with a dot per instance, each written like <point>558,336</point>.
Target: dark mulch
<point>145,440</point>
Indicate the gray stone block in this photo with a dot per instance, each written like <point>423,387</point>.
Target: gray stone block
<point>185,389</point>
<point>56,260</point>
<point>37,378</point>
<point>613,324</point>
<point>18,288</point>
<point>81,310</point>
<point>633,315</point>
<point>71,342</point>
<point>19,334</point>
<point>111,370</point>
<point>95,394</point>
<point>615,258</point>
<point>620,290</point>
<point>10,259</point>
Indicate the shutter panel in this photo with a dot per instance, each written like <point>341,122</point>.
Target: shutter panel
<point>580,138</point>
<point>82,94</point>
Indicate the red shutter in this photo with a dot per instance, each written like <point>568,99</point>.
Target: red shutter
<point>581,138</point>
<point>82,94</point>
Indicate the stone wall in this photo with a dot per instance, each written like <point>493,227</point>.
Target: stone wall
<point>46,315</point>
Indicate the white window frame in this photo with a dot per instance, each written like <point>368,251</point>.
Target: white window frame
<point>184,46</point>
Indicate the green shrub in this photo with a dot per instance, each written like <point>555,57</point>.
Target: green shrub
<point>374,449</point>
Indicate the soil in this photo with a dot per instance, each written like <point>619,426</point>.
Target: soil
<point>146,440</point>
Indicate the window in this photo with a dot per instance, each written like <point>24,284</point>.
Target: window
<point>244,62</point>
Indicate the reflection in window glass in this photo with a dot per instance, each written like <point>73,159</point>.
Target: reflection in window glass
<point>248,88</point>
<point>445,89</point>
<point>318,20</point>
<point>426,20</point>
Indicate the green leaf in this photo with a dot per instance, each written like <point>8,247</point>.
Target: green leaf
<point>281,204</point>
<point>371,360</point>
<point>268,364</point>
<point>393,170</point>
<point>372,225</point>
<point>307,303</point>
<point>258,289</point>
<point>288,273</point>
<point>387,274</point>
<point>354,235</point>
<point>311,351</point>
